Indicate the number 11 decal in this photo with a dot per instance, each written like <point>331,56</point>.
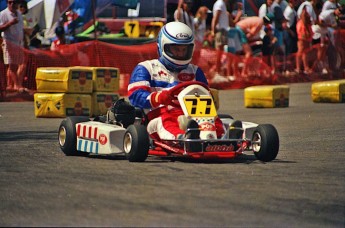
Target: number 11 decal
<point>205,108</point>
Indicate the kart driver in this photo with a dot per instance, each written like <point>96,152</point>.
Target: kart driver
<point>151,80</point>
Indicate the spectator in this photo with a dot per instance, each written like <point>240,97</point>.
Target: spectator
<point>290,35</point>
<point>208,41</point>
<point>23,8</point>
<point>207,53</point>
<point>184,14</point>
<point>12,31</point>
<point>200,24</point>
<point>268,46</point>
<point>329,4</point>
<point>236,11</point>
<point>327,23</point>
<point>219,26</point>
<point>328,18</point>
<point>283,4</point>
<point>309,6</point>
<point>249,28</point>
<point>263,11</point>
<point>278,21</point>
<point>305,36</point>
<point>60,38</point>
<point>199,29</point>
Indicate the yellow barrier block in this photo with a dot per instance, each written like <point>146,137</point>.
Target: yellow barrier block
<point>105,79</point>
<point>102,101</point>
<point>62,104</point>
<point>266,96</point>
<point>328,91</point>
<point>64,80</point>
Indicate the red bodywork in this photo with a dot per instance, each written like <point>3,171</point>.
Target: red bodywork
<point>163,149</point>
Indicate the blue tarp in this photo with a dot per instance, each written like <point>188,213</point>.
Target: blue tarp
<point>84,7</point>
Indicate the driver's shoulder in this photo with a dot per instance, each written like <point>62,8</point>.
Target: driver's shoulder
<point>150,64</point>
<point>192,67</point>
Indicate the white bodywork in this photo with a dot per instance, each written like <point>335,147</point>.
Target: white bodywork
<point>102,138</point>
<point>209,129</point>
<point>200,91</point>
<point>99,138</point>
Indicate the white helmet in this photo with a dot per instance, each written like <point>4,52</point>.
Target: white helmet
<point>174,35</point>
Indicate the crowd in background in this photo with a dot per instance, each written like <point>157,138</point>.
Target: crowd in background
<point>281,28</point>
<point>284,27</point>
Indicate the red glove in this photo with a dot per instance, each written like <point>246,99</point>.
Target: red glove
<point>160,98</point>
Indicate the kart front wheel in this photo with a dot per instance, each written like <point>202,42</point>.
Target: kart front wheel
<point>265,142</point>
<point>136,143</point>
<point>67,134</point>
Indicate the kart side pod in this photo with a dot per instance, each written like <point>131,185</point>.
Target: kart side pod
<point>99,138</point>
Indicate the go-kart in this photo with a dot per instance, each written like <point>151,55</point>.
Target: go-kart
<point>112,134</point>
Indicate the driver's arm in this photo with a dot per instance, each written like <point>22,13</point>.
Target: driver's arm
<point>200,76</point>
<point>139,88</point>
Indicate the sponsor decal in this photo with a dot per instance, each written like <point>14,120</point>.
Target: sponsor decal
<point>185,77</point>
<point>182,36</point>
<point>102,139</point>
<point>219,148</point>
<point>78,108</point>
<point>58,106</point>
<point>108,101</point>
<point>107,76</point>
<point>210,136</point>
<point>282,101</point>
<point>82,78</point>
<point>38,104</point>
<point>162,73</point>
<point>207,126</point>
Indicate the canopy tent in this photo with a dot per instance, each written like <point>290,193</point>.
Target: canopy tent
<point>46,13</point>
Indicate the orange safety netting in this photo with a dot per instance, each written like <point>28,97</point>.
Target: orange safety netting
<point>101,54</point>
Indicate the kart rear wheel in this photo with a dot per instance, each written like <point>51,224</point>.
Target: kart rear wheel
<point>265,142</point>
<point>136,143</point>
<point>67,134</point>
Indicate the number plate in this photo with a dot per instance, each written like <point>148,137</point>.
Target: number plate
<point>132,29</point>
<point>202,106</point>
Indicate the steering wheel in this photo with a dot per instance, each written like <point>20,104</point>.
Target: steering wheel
<point>174,91</point>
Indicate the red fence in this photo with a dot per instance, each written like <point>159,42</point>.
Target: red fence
<point>100,54</point>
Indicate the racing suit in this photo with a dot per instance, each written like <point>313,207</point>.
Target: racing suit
<point>152,76</point>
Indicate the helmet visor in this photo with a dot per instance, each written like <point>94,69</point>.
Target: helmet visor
<point>179,51</point>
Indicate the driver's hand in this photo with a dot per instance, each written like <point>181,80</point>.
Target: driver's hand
<point>160,98</point>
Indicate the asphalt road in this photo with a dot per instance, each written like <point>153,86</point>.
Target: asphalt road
<point>303,187</point>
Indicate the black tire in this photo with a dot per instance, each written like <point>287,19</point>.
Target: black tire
<point>136,143</point>
<point>67,134</point>
<point>265,142</point>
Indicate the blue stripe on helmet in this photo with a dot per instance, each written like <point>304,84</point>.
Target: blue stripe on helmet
<point>170,37</point>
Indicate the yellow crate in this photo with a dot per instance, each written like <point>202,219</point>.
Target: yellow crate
<point>105,79</point>
<point>64,80</point>
<point>102,101</point>
<point>266,96</point>
<point>62,104</point>
<point>328,91</point>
